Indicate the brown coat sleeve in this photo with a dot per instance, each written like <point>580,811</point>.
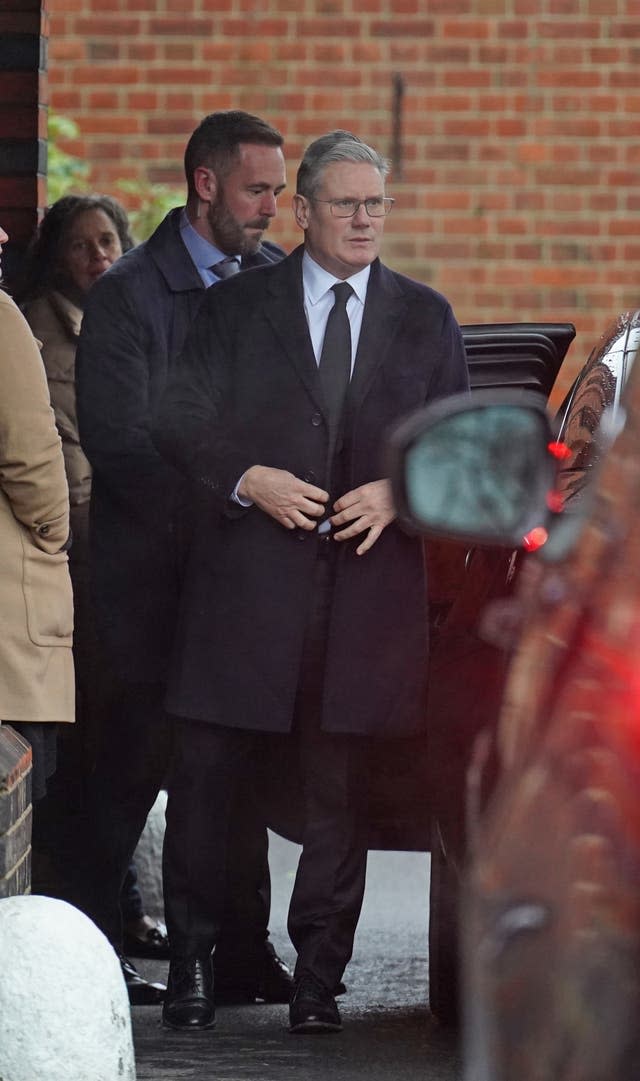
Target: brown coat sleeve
<point>31,464</point>
<point>56,323</point>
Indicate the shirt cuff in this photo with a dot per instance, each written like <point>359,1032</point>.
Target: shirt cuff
<point>238,498</point>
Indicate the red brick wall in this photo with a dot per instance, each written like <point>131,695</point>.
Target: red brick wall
<point>519,195</point>
<point>23,121</point>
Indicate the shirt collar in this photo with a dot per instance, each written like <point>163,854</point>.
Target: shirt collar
<point>203,252</point>
<point>317,281</point>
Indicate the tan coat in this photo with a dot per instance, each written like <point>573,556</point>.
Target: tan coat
<point>56,322</point>
<point>36,605</point>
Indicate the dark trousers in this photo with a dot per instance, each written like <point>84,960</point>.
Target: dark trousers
<point>99,705</point>
<point>329,886</point>
<point>211,810</point>
<point>215,766</point>
<point>134,763</point>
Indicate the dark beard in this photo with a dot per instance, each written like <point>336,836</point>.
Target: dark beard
<point>229,236</point>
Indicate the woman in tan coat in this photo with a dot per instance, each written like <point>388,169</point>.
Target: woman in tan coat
<point>36,605</point>
<point>79,238</point>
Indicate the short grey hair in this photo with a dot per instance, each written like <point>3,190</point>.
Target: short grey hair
<point>339,145</point>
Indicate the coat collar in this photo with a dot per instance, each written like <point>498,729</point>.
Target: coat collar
<point>69,314</point>
<point>170,255</point>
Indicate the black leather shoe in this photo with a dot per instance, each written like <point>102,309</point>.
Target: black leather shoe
<point>313,1008</point>
<point>146,938</point>
<point>188,1003</point>
<point>275,982</point>
<point>269,981</point>
<point>140,991</point>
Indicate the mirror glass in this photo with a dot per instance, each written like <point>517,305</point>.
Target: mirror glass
<point>478,473</point>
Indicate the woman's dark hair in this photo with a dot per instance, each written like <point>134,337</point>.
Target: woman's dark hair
<point>41,268</point>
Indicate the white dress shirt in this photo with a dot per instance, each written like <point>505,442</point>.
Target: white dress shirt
<point>319,300</point>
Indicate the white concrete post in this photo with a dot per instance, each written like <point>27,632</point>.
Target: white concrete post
<point>64,1009</point>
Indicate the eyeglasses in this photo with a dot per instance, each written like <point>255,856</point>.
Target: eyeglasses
<point>376,207</point>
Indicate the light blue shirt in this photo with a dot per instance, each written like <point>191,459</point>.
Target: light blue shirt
<point>203,253</point>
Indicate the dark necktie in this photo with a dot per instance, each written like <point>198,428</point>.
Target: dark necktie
<point>335,359</point>
<point>226,268</point>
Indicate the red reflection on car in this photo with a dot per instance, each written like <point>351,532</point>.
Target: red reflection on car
<point>535,538</point>
<point>559,450</point>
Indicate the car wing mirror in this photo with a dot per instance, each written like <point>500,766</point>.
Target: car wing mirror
<point>479,468</point>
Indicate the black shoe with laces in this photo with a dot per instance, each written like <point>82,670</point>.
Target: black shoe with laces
<point>189,1000</point>
<point>275,982</point>
<point>266,979</point>
<point>313,1008</point>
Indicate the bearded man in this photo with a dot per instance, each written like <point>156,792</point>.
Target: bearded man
<point>134,327</point>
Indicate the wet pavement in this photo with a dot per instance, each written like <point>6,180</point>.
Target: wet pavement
<point>388,1034</point>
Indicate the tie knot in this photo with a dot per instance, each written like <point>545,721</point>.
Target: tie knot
<point>226,267</point>
<point>342,291</point>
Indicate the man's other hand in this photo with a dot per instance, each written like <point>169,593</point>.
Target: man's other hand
<point>369,508</point>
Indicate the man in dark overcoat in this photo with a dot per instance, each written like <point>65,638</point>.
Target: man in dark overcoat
<point>133,328</point>
<point>304,609</point>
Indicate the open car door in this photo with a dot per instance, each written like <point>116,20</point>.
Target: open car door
<point>405,793</point>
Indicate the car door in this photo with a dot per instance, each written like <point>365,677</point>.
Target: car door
<point>403,792</point>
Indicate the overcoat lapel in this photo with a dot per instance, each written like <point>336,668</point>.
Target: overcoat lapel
<point>284,309</point>
<point>382,320</point>
<point>170,255</point>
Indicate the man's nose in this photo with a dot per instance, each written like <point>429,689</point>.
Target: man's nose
<point>361,217</point>
<point>268,207</point>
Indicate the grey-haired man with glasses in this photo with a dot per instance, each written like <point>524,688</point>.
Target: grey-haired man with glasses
<point>304,618</point>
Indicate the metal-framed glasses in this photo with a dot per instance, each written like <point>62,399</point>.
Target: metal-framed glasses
<point>376,206</point>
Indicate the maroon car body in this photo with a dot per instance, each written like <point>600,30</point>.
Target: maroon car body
<point>551,914</point>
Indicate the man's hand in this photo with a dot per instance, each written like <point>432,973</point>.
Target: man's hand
<point>369,507</point>
<point>283,496</point>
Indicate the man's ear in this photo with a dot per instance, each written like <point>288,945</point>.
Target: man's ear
<point>301,211</point>
<point>205,183</point>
